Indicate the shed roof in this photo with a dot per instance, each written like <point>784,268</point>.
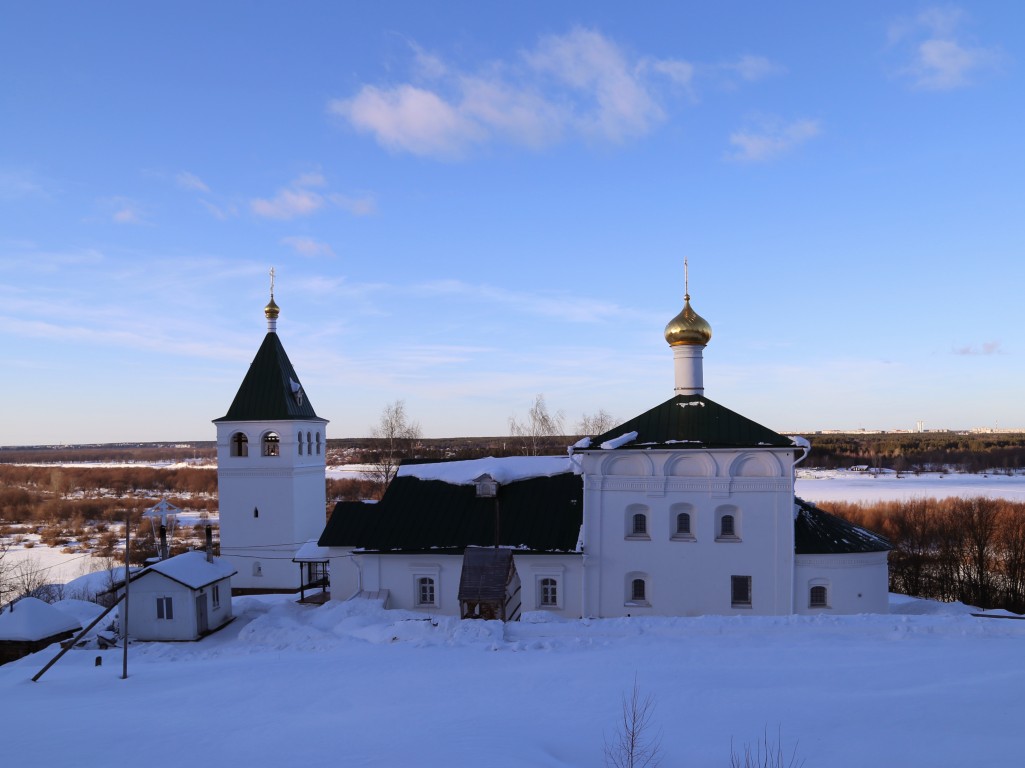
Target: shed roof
<point>268,391</point>
<point>539,514</point>
<point>691,421</point>
<point>190,569</point>
<point>30,619</point>
<point>819,533</point>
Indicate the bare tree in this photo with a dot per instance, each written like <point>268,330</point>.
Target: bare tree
<point>596,424</point>
<point>765,754</point>
<point>633,745</point>
<point>398,438</point>
<point>539,425</point>
<point>6,586</point>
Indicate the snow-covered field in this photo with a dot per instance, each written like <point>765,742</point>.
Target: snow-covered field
<point>821,485</point>
<point>350,684</point>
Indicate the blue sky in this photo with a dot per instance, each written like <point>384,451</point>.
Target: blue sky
<point>466,207</point>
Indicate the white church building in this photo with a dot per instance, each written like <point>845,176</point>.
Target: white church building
<point>686,509</point>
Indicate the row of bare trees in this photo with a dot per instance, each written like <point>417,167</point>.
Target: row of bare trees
<point>966,549</point>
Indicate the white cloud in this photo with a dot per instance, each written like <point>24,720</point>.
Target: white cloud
<point>580,83</point>
<point>298,199</point>
<point>221,212</point>
<point>15,185</point>
<point>753,68</point>
<point>771,137</point>
<point>357,206</point>
<point>124,211</point>
<point>307,246</point>
<point>187,180</point>
<point>939,57</point>
<point>986,348</point>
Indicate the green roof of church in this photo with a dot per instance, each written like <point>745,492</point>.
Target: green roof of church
<point>694,421</point>
<point>267,392</point>
<point>538,514</point>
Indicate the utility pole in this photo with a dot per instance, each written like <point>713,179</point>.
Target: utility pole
<point>128,578</point>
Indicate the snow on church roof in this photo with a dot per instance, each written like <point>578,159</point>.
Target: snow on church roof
<point>505,470</point>
<point>31,619</point>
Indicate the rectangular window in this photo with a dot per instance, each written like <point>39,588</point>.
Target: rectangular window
<point>165,608</point>
<point>741,591</point>
<point>425,591</point>
<point>549,593</point>
<point>215,595</point>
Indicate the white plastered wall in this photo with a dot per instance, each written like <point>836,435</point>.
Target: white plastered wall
<point>855,583</point>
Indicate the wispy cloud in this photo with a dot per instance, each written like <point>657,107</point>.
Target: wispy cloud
<point>299,198</point>
<point>302,197</point>
<point>187,180</point>
<point>307,246</point>
<point>16,185</point>
<point>123,210</point>
<point>769,137</point>
<point>752,68</point>
<point>939,55</point>
<point>986,348</point>
<point>577,84</point>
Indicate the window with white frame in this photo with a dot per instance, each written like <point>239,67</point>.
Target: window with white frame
<point>637,522</point>
<point>318,443</point>
<point>309,443</point>
<point>165,608</point>
<point>299,441</point>
<point>548,589</point>
<point>425,591</point>
<point>727,523</point>
<point>215,595</point>
<point>740,591</point>
<point>818,596</point>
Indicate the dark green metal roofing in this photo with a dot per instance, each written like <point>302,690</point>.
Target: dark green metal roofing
<point>820,533</point>
<point>540,514</point>
<point>267,393</point>
<point>694,421</point>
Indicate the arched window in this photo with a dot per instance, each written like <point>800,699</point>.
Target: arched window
<point>683,524</point>
<point>639,526</point>
<point>271,444</point>
<point>726,526</point>
<point>549,597</point>
<point>300,442</point>
<point>425,591</point>
<point>239,444</point>
<point>637,522</point>
<point>318,443</point>
<point>638,591</point>
<point>818,597</point>
<point>309,442</point>
<point>727,523</point>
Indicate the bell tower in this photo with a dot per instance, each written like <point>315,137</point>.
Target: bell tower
<point>271,450</point>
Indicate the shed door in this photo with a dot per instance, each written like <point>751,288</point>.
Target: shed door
<point>202,625</point>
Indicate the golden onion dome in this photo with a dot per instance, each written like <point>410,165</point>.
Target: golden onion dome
<point>688,327</point>
<point>271,310</point>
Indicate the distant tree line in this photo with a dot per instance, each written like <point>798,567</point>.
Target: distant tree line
<point>910,452</point>
<point>966,549</point>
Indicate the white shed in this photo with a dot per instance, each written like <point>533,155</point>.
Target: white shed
<point>181,598</point>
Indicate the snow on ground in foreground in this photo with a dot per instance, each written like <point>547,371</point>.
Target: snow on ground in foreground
<point>822,485</point>
<point>351,684</point>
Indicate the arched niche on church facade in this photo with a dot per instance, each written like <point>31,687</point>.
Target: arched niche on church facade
<point>633,465</point>
<point>753,464</point>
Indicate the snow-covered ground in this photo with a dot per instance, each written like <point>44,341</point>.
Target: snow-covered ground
<point>350,684</point>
